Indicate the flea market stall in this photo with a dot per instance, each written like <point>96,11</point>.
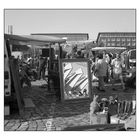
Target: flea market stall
<point>33,40</point>
<point>68,78</point>
<point>75,75</point>
<point>74,81</point>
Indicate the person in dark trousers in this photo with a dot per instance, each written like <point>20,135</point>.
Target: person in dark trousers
<point>44,65</point>
<point>101,70</point>
<point>41,64</point>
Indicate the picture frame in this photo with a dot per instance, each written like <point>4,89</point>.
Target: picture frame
<point>75,79</point>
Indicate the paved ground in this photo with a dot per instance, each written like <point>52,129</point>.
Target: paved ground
<point>49,111</point>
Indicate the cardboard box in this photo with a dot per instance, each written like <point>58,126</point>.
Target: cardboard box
<point>100,118</point>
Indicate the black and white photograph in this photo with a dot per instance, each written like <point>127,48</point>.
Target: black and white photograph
<point>69,69</point>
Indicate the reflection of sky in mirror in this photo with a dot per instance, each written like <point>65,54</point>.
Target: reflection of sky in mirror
<point>75,78</point>
<point>77,65</point>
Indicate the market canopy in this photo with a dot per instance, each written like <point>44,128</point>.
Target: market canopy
<point>33,39</point>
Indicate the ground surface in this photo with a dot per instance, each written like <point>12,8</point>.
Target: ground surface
<point>49,110</point>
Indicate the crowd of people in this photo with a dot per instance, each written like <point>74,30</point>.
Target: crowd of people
<point>108,68</point>
<point>37,64</point>
<point>105,66</point>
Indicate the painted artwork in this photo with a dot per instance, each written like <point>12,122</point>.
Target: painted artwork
<point>75,80</point>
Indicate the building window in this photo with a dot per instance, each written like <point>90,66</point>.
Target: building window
<point>113,44</point>
<point>118,39</point>
<point>134,39</point>
<point>123,43</point>
<point>128,44</point>
<point>103,40</point>
<point>128,39</point>
<point>133,44</point>
<point>118,44</point>
<point>108,44</point>
<point>123,39</point>
<point>113,39</point>
<point>108,39</point>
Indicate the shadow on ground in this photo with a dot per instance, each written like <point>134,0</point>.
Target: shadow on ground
<point>47,104</point>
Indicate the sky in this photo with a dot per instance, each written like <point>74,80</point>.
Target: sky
<point>91,21</point>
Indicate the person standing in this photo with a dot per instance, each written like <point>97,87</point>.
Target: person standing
<point>117,65</point>
<point>41,61</point>
<point>44,66</point>
<point>101,71</point>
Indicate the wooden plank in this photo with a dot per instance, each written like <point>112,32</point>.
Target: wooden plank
<point>17,86</point>
<point>98,127</point>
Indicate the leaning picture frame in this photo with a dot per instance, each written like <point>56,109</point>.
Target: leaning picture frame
<point>75,79</point>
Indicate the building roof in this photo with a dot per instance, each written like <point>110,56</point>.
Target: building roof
<point>114,33</point>
<point>69,36</point>
<point>60,34</point>
<point>117,32</point>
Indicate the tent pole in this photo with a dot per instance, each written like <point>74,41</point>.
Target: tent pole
<point>50,56</point>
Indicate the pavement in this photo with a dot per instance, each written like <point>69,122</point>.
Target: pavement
<point>47,113</point>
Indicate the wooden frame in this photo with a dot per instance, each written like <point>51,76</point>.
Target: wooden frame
<point>97,127</point>
<point>17,86</point>
<point>75,79</point>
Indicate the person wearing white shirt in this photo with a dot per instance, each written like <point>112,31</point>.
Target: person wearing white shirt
<point>117,65</point>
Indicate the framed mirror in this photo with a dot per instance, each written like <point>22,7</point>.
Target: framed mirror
<point>75,79</point>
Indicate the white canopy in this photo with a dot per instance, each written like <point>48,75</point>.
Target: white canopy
<point>32,39</point>
<point>109,49</point>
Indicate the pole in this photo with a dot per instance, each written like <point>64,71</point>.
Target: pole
<point>10,29</point>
